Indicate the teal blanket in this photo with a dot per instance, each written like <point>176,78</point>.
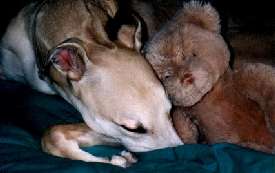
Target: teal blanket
<point>19,152</point>
<point>25,114</point>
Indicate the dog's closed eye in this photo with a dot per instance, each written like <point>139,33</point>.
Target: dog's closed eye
<point>139,129</point>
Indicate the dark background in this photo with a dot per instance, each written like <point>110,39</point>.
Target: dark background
<point>251,15</point>
<point>8,10</point>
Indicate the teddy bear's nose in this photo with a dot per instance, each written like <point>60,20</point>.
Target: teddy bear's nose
<point>187,79</point>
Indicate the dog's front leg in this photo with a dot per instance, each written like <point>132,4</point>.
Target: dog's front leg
<point>66,140</point>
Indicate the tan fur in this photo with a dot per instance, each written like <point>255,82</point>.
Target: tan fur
<point>185,127</point>
<point>225,115</point>
<point>238,106</point>
<point>65,140</point>
<point>65,48</point>
<point>111,84</point>
<point>206,17</point>
<point>195,58</point>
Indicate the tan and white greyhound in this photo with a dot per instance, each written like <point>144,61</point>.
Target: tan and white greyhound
<point>61,46</point>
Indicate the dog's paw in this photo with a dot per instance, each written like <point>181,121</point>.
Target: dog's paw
<point>129,156</point>
<point>119,161</point>
<point>125,159</point>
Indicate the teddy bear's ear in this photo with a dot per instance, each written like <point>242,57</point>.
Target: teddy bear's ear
<point>202,15</point>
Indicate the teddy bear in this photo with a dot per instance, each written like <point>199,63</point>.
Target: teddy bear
<point>212,102</point>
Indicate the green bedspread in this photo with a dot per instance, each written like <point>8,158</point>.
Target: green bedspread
<point>25,114</point>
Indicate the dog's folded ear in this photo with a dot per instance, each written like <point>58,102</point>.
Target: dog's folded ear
<point>68,59</point>
<point>110,6</point>
<point>130,35</point>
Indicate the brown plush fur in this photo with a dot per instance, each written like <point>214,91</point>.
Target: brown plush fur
<point>211,100</point>
<point>183,59</point>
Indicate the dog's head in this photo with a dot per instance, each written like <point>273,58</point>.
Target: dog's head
<point>109,82</point>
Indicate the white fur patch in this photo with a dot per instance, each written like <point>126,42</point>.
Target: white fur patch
<point>18,59</point>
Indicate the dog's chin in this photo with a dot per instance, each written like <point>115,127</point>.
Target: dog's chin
<point>139,149</point>
<point>145,147</point>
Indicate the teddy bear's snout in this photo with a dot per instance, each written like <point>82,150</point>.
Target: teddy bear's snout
<point>187,79</point>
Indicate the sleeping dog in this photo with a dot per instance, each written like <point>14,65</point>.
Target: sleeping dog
<point>62,47</point>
